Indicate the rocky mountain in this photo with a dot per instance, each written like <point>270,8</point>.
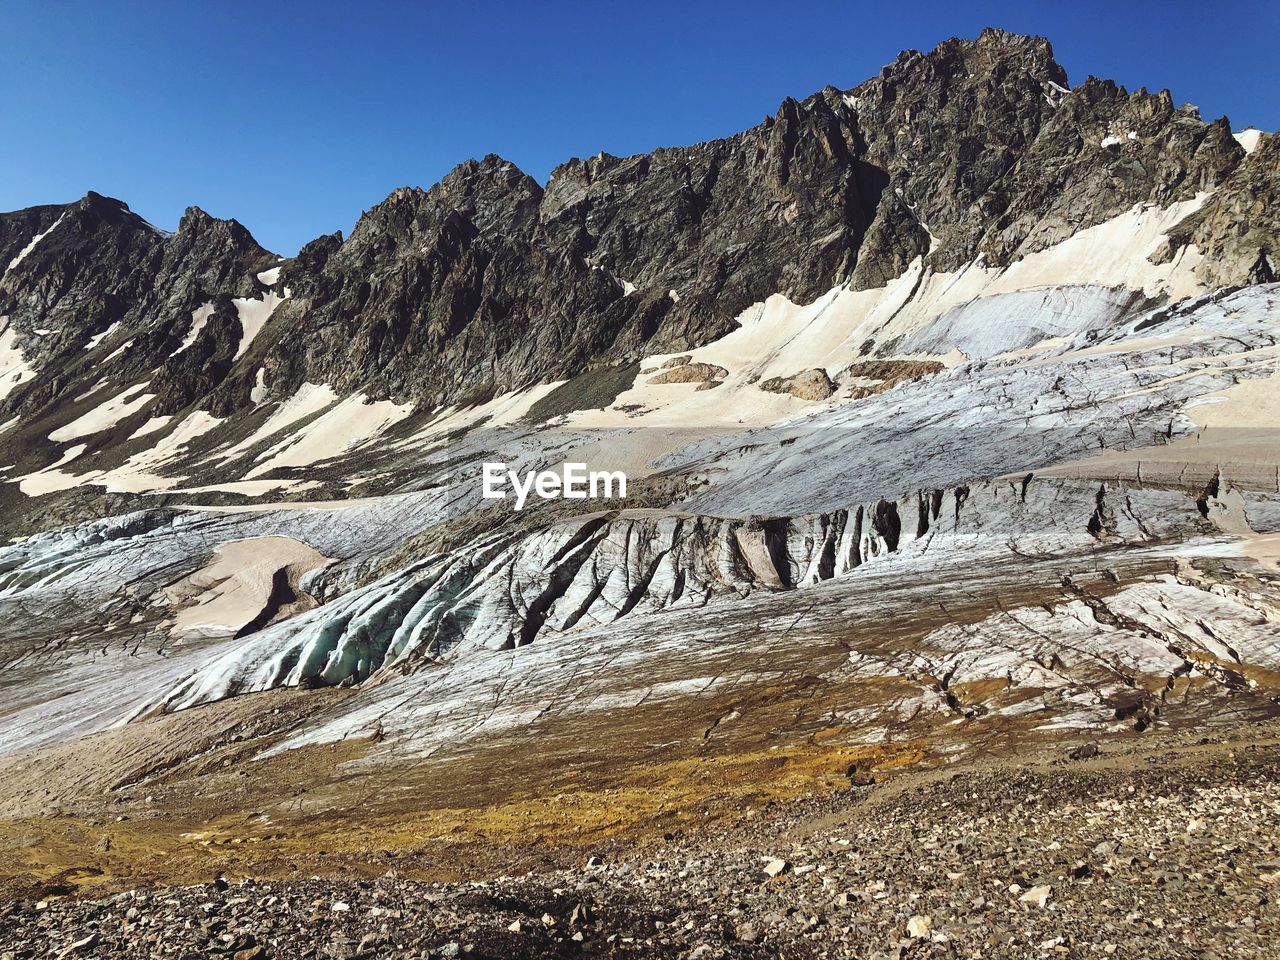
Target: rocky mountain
<point>489,282</point>
<point>947,410</point>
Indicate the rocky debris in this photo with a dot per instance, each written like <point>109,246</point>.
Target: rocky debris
<point>972,862</point>
<point>690,373</point>
<point>918,927</point>
<point>1037,896</point>
<point>862,775</point>
<point>806,385</point>
<point>870,377</point>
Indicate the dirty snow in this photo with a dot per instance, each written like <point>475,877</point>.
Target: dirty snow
<point>346,426</point>
<point>106,415</point>
<point>253,316</point>
<point>309,399</point>
<point>235,586</point>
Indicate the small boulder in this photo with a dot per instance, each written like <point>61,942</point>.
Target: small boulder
<point>1037,896</point>
<point>1085,751</point>
<point>918,927</point>
<point>861,775</point>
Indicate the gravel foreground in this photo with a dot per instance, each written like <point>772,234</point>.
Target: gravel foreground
<point>1169,855</point>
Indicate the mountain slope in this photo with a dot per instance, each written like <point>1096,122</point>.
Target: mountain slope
<point>946,405</point>
<point>489,283</point>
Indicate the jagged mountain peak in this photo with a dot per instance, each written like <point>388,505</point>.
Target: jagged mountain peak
<point>487,282</point>
<point>996,42</point>
<point>198,222</point>
<point>993,52</point>
<point>490,196</point>
<point>95,211</point>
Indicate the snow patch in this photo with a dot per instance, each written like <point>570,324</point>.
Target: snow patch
<point>199,318</point>
<point>14,369</point>
<point>137,474</point>
<point>258,392</point>
<point>1248,138</point>
<point>52,479</point>
<point>348,425</point>
<point>310,399</point>
<point>97,338</point>
<point>253,316</point>
<point>118,350</point>
<point>22,254</point>
<point>501,411</point>
<point>235,586</point>
<point>151,426</point>
<point>268,278</point>
<point>107,415</point>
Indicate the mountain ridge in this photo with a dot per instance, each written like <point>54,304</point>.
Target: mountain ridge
<point>489,282</point>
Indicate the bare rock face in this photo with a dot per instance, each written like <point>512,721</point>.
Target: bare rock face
<point>1238,226</point>
<point>806,385</point>
<point>691,373</point>
<point>113,295</point>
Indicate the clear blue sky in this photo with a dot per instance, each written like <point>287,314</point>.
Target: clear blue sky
<point>295,117</point>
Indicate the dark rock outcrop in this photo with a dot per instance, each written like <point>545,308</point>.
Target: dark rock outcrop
<point>1238,227</point>
<point>807,385</point>
<point>114,298</point>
